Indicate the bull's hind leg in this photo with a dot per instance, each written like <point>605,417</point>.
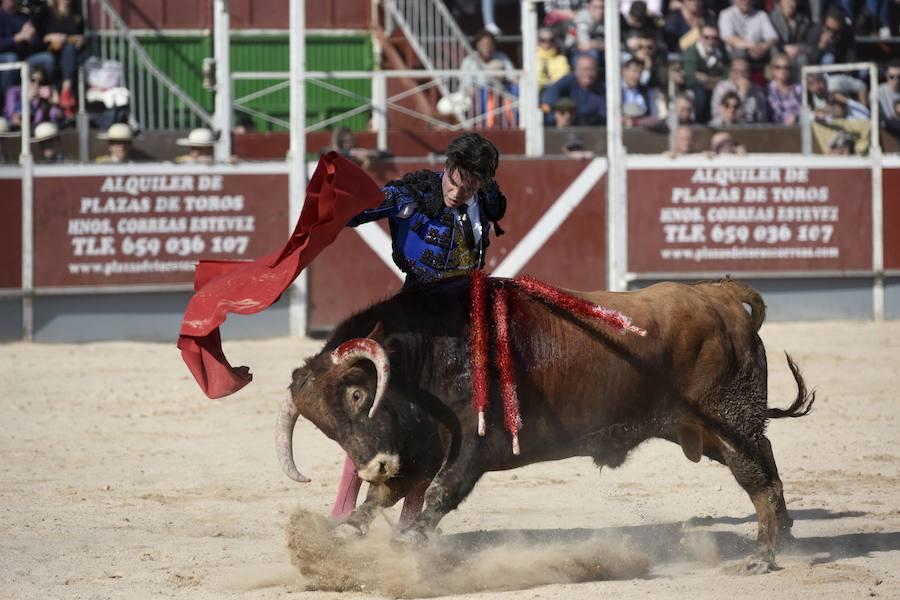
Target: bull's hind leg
<point>785,522</point>
<point>750,468</point>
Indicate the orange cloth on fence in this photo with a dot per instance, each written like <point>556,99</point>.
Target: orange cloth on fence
<point>338,191</point>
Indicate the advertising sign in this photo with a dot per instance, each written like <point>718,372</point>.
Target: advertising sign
<point>746,219</point>
<point>151,229</point>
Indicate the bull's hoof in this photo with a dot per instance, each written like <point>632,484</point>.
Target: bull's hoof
<point>347,528</point>
<point>759,563</point>
<point>410,537</point>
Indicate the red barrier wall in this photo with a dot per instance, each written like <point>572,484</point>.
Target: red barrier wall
<point>890,179</point>
<point>149,229</point>
<point>245,14</point>
<point>732,220</point>
<point>349,276</point>
<point>11,233</point>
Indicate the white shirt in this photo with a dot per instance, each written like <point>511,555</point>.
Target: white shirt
<point>474,218</point>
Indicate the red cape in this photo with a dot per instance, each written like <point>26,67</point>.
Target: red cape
<point>337,192</point>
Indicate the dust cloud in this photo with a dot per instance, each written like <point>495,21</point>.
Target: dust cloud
<point>451,564</point>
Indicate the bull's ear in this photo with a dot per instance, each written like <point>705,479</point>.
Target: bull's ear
<point>377,333</point>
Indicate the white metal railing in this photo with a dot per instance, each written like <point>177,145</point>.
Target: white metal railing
<point>806,113</point>
<point>432,32</point>
<point>493,103</point>
<point>157,102</point>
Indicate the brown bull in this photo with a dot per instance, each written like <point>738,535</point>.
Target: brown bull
<point>393,386</point>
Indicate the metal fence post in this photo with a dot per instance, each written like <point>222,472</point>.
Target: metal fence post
<point>26,160</point>
<point>297,177</point>
<point>616,190</point>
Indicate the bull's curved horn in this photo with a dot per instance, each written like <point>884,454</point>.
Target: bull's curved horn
<point>371,350</point>
<point>284,433</point>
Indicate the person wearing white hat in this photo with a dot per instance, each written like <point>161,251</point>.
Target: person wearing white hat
<point>119,139</point>
<point>201,142</point>
<point>46,135</point>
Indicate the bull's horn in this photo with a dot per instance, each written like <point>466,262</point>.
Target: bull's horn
<point>368,349</point>
<point>284,434</point>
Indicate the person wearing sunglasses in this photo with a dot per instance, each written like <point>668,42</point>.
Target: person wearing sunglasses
<point>831,41</point>
<point>889,91</point>
<point>705,65</point>
<point>753,98</point>
<point>792,28</point>
<point>782,94</point>
<point>551,64</point>
<point>729,111</point>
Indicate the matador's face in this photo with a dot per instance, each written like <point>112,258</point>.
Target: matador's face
<point>458,186</point>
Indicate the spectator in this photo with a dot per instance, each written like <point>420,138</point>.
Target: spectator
<point>574,146</point>
<point>753,100</point>
<point>343,142</point>
<point>564,112</point>
<point>119,143</point>
<point>705,65</point>
<point>46,136</point>
<point>489,92</point>
<point>729,111</point>
<point>818,94</point>
<point>19,40</point>
<point>561,12</point>
<point>889,91</point>
<point>747,32</point>
<point>243,123</point>
<point>485,57</point>
<point>638,100</point>
<point>42,97</point>
<point>589,31</point>
<point>723,143</point>
<point>792,28</point>
<point>676,75</point>
<point>583,87</point>
<point>551,65</point>
<point>635,18</point>
<point>842,107</point>
<point>644,49</point>
<point>682,142</point>
<point>783,95</point>
<point>651,7</point>
<point>201,142</point>
<point>831,41</point>
<point>64,36</point>
<point>684,109</point>
<point>842,144</point>
<point>4,134</point>
<point>892,121</point>
<point>683,25</point>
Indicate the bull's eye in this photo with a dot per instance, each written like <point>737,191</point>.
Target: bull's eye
<point>357,396</point>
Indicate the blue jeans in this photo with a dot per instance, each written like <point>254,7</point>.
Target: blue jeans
<point>69,59</point>
<point>44,60</point>
<point>487,11</point>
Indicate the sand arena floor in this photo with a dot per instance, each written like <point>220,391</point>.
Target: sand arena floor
<point>120,480</point>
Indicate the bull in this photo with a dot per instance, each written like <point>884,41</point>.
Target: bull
<point>393,387</point>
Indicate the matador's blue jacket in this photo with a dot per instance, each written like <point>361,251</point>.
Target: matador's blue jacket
<point>428,244</point>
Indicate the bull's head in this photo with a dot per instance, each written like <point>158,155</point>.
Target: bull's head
<point>341,392</point>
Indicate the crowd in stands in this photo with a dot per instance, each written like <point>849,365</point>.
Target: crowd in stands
<point>720,63</point>
<point>49,36</point>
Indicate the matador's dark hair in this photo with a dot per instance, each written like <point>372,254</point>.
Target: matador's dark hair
<point>473,154</point>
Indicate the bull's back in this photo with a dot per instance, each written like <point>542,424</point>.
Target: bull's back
<point>583,376</point>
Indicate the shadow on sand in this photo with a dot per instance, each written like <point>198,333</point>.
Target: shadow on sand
<point>674,542</point>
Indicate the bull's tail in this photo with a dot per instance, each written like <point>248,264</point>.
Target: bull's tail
<point>747,295</point>
<point>804,401</point>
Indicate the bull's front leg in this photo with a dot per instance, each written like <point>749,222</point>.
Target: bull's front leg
<point>450,486</point>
